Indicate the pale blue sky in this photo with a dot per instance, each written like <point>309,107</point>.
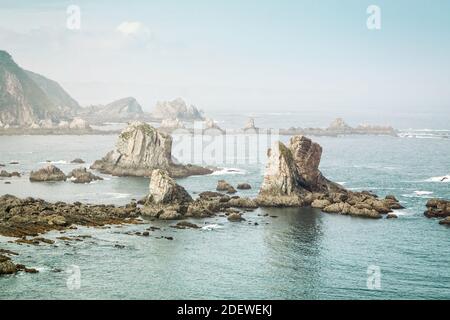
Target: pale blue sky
<point>230,55</point>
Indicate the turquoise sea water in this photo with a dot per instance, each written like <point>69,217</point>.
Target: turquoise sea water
<point>290,254</point>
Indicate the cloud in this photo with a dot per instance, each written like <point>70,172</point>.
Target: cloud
<point>134,28</point>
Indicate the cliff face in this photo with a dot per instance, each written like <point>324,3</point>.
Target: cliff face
<point>139,150</point>
<point>27,98</point>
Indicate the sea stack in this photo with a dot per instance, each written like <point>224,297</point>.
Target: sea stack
<point>139,150</point>
<point>293,178</point>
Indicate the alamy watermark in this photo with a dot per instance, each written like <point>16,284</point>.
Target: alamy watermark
<point>73,21</point>
<point>374,277</point>
<point>73,282</point>
<point>374,19</point>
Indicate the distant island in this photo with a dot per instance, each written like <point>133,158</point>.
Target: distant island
<point>31,104</point>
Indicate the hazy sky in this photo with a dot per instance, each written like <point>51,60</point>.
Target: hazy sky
<point>240,55</point>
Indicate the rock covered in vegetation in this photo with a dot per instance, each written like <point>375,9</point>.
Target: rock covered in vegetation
<point>139,150</point>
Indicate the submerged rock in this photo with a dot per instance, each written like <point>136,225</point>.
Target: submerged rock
<point>235,217</point>
<point>48,173</point>
<point>139,150</point>
<point>81,175</point>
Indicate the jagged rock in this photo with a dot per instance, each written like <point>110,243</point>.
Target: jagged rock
<point>81,175</point>
<point>176,109</point>
<point>293,178</point>
<point>164,189</point>
<point>250,125</point>
<point>48,173</point>
<point>292,173</point>
<point>139,150</point>
<point>243,186</point>
<point>437,208</point>
<point>339,125</point>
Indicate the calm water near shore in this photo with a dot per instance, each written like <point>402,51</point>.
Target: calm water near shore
<point>290,254</point>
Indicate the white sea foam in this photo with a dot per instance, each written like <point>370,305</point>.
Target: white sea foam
<point>54,162</point>
<point>423,193</point>
<point>445,179</point>
<point>210,227</point>
<point>224,171</point>
<point>117,195</point>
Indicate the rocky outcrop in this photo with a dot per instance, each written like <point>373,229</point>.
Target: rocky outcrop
<point>293,178</point>
<point>48,173</point>
<point>30,217</point>
<point>222,185</point>
<point>164,189</point>
<point>6,174</point>
<point>250,125</point>
<point>339,127</point>
<point>81,175</point>
<point>437,208</point>
<point>139,150</point>
<point>176,109</point>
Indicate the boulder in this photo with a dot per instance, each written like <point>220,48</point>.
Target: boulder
<point>222,185</point>
<point>244,186</point>
<point>164,189</point>
<point>77,161</point>
<point>81,175</point>
<point>139,150</point>
<point>48,173</point>
<point>235,217</point>
<point>7,266</point>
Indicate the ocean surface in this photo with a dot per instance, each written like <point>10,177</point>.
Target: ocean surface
<point>289,254</point>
